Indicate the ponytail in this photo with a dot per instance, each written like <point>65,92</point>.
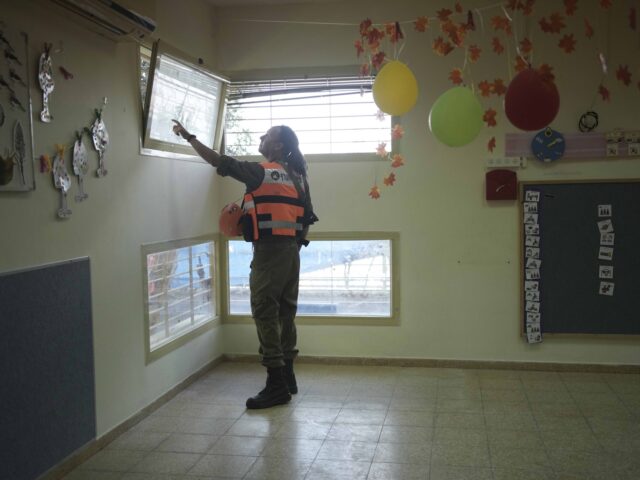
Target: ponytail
<point>291,150</point>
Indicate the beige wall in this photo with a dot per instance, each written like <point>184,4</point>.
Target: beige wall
<point>142,200</point>
<point>459,254</point>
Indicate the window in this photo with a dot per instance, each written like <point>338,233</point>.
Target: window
<point>329,115</point>
<point>180,291</point>
<point>348,276</point>
<point>176,87</point>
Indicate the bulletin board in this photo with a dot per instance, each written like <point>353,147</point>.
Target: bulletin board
<point>580,256</point>
<point>46,367</point>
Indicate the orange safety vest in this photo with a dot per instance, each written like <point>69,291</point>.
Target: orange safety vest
<point>274,208</point>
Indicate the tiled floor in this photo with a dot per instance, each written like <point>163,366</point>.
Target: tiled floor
<point>351,423</point>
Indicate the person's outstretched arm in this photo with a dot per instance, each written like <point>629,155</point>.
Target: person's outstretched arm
<point>210,156</point>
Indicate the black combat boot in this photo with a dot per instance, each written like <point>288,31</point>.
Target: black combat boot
<point>289,376</point>
<point>275,392</point>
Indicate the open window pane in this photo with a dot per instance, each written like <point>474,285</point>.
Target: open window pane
<point>339,278</point>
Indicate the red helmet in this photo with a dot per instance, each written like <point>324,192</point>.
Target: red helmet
<point>229,222</point>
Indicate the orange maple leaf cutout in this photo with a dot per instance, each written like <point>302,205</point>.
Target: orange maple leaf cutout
<point>374,192</point>
<point>624,75</point>
<point>497,45</point>
<point>397,132</point>
<point>390,179</point>
<point>604,93</point>
<point>393,31</point>
<point>474,53</point>
<point>570,6</point>
<point>455,32</point>
<point>588,29</point>
<point>359,49</point>
<point>501,23</point>
<point>546,71</point>
<point>521,64</point>
<point>442,47</point>
<point>421,24</point>
<point>365,70</point>
<point>456,76</point>
<point>443,14</point>
<point>606,4</point>
<point>567,43</point>
<point>555,24</point>
<point>365,25</point>
<point>398,161</point>
<point>485,88</point>
<point>492,144</point>
<point>525,46</point>
<point>377,60</point>
<point>499,87</point>
<point>381,149</point>
<point>490,117</point>
<point>458,7</point>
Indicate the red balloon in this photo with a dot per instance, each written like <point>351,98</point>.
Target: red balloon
<point>532,101</point>
<point>229,221</point>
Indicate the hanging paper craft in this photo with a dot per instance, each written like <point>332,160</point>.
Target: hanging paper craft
<point>80,166</point>
<point>62,181</point>
<point>19,148</point>
<point>45,77</point>
<point>16,143</point>
<point>100,138</point>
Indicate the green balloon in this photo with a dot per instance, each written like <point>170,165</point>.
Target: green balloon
<point>456,117</point>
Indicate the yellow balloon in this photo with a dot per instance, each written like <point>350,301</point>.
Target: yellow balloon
<point>395,89</point>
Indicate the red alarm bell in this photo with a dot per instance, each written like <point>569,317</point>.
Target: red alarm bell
<point>229,222</point>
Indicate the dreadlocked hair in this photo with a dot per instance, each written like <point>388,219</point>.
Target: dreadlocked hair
<point>291,150</point>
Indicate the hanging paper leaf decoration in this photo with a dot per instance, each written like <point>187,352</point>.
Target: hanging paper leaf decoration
<point>567,43</point>
<point>359,49</point>
<point>490,117</point>
<point>497,45</point>
<point>526,6</point>
<point>390,179</point>
<point>375,192</point>
<point>458,7</point>
<point>382,149</point>
<point>485,88</point>
<point>442,47</point>
<point>421,24</point>
<point>570,6</point>
<point>373,39</point>
<point>624,75</point>
<point>588,29</point>
<point>380,115</point>
<point>377,60</point>
<point>394,32</point>
<point>526,46</point>
<point>632,18</point>
<point>499,87</point>
<point>555,24</point>
<point>365,25</point>
<point>365,70</point>
<point>398,161</point>
<point>492,144</point>
<point>521,64</point>
<point>397,132</point>
<point>474,53</point>
<point>606,4</point>
<point>546,71</point>
<point>604,93</point>
<point>455,32</point>
<point>444,14</point>
<point>456,76</point>
<point>501,23</point>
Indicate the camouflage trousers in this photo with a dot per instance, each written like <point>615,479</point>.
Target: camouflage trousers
<point>275,271</point>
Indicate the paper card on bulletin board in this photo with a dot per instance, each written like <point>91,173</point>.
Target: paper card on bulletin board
<point>16,129</point>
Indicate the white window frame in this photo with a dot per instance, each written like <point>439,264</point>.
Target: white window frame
<point>188,334</point>
<point>292,80</point>
<point>304,319</point>
<point>155,147</point>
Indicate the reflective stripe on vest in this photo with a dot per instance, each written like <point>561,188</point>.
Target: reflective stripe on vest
<point>274,207</point>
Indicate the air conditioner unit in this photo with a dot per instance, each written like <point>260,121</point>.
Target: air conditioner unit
<point>109,19</point>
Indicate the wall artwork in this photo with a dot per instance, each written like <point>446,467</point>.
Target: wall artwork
<point>16,129</point>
